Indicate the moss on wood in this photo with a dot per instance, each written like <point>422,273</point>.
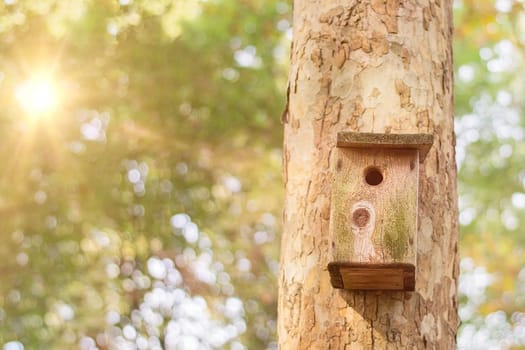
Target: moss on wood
<point>398,229</point>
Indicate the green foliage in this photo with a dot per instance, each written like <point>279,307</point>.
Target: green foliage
<point>164,150</point>
<point>489,56</point>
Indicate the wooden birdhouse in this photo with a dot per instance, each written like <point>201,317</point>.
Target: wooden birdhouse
<point>373,218</point>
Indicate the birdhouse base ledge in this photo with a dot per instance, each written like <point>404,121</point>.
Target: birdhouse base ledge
<point>372,276</point>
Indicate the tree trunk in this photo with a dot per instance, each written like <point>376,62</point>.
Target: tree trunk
<point>381,66</point>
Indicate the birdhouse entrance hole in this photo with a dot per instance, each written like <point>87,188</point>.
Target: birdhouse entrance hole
<point>373,176</point>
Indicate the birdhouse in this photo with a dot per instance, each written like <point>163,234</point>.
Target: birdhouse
<point>373,218</point>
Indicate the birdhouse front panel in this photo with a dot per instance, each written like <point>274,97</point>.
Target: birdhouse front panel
<point>373,218</point>
<point>374,198</point>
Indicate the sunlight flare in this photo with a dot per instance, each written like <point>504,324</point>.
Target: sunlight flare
<point>37,95</point>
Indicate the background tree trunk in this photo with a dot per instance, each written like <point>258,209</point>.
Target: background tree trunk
<point>370,66</point>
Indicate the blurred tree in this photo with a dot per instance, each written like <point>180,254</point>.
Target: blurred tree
<point>489,59</point>
<point>369,67</point>
<point>131,214</point>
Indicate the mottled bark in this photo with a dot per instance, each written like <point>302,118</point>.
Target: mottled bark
<point>368,66</point>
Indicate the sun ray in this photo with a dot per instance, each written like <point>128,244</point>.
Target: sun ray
<point>37,138</point>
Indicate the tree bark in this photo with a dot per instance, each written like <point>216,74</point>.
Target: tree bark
<point>381,66</point>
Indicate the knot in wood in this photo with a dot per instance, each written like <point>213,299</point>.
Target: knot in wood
<point>361,217</point>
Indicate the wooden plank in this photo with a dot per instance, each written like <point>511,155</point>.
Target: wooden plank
<point>374,222</point>
<point>372,278</point>
<point>355,276</point>
<point>421,142</point>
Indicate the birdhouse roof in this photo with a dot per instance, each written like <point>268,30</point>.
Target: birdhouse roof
<point>421,142</point>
